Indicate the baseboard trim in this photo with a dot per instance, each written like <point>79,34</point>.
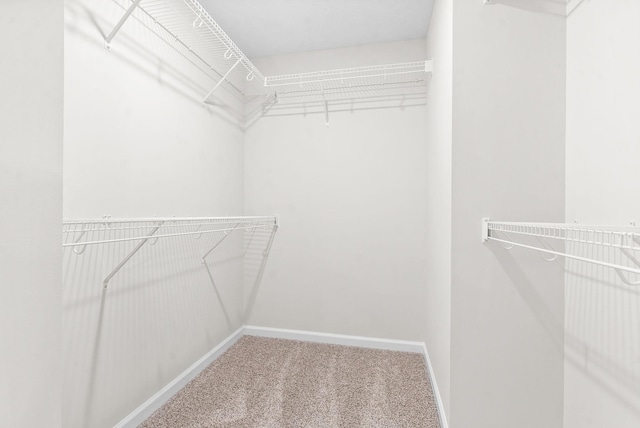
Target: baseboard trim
<point>161,397</point>
<point>434,386</point>
<point>158,399</point>
<point>359,341</point>
<point>335,339</point>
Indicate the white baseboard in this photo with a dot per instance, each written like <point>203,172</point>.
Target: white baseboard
<point>158,399</point>
<point>335,339</point>
<point>359,341</point>
<point>434,386</point>
<point>362,342</point>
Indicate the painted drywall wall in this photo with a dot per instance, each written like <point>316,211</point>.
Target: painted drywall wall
<point>602,314</point>
<point>139,142</point>
<point>438,214</point>
<point>31,42</point>
<point>349,257</point>
<point>508,164</point>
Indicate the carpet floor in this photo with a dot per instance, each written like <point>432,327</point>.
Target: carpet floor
<point>261,382</point>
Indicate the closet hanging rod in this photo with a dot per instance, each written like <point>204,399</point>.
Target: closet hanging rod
<point>625,239</point>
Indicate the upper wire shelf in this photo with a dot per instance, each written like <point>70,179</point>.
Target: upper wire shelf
<point>194,30</point>
<point>624,239</point>
<point>350,79</point>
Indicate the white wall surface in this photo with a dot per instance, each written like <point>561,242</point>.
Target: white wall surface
<point>140,143</point>
<point>31,42</point>
<point>602,315</point>
<point>438,214</point>
<point>350,255</point>
<point>508,164</point>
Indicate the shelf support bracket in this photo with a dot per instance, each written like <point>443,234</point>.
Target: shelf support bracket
<point>221,81</point>
<point>226,233</point>
<point>127,14</point>
<point>105,283</point>
<point>213,282</point>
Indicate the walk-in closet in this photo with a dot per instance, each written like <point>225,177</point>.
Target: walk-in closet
<point>320,213</point>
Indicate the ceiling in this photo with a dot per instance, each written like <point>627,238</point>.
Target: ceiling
<point>274,27</point>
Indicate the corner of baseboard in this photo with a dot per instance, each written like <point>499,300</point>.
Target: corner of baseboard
<point>156,401</point>
<point>145,410</point>
<point>335,339</point>
<point>434,385</point>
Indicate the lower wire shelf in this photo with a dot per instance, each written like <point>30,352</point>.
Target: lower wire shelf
<point>626,240</point>
<point>79,234</point>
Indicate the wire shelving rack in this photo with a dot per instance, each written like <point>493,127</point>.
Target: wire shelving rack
<point>347,80</point>
<point>77,234</point>
<point>195,31</point>
<point>626,240</point>
<point>80,234</point>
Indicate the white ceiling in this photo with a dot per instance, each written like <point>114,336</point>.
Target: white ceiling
<point>274,27</point>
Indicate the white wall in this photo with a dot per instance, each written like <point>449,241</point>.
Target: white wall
<point>508,164</point>
<point>140,143</point>
<point>602,315</point>
<point>350,255</point>
<point>438,215</point>
<point>31,43</point>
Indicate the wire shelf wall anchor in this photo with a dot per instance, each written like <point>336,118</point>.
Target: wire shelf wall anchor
<point>624,239</point>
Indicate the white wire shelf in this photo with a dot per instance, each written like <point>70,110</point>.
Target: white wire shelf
<point>350,80</point>
<point>196,33</point>
<point>624,239</point>
<point>78,234</point>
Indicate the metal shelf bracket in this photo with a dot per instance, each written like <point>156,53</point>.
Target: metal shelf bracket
<point>105,283</point>
<point>222,80</point>
<point>127,14</point>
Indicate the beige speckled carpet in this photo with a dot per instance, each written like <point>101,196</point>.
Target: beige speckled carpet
<point>263,382</point>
